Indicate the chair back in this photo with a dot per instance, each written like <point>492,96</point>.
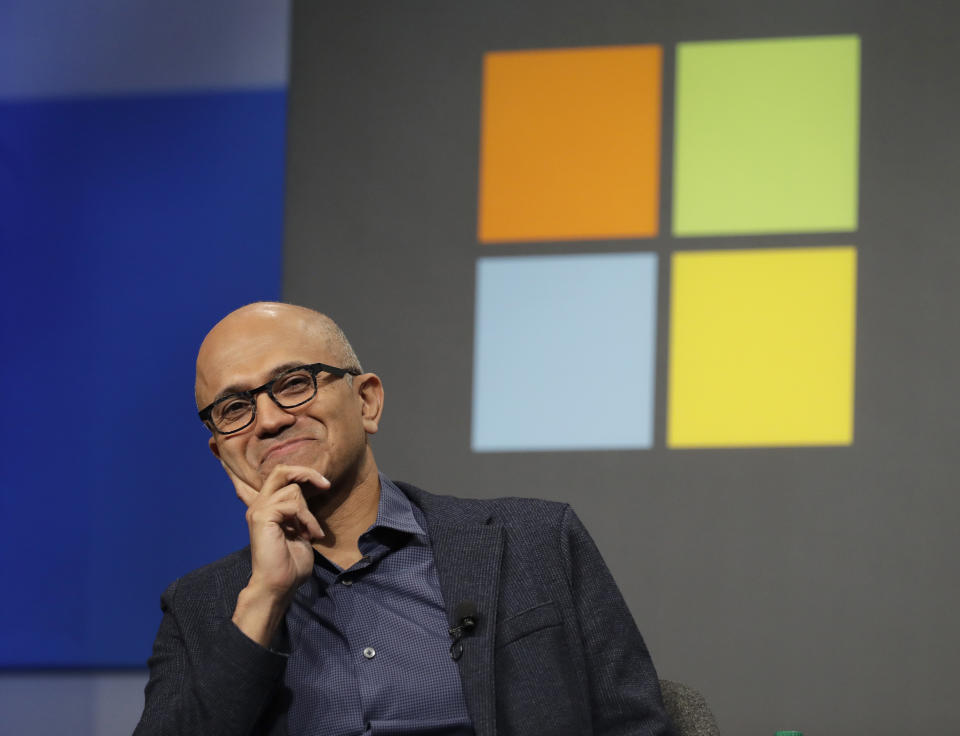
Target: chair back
<point>688,710</point>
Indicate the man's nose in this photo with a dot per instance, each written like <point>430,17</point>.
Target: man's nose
<point>270,417</point>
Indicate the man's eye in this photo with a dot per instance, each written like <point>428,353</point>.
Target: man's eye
<point>233,409</point>
<point>294,384</point>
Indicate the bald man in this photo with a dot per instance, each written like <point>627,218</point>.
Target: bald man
<point>367,606</point>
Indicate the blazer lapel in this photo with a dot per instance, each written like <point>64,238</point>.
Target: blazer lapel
<point>467,546</point>
<point>468,566</point>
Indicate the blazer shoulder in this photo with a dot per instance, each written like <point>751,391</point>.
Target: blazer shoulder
<point>517,511</point>
<point>230,571</point>
<point>510,511</point>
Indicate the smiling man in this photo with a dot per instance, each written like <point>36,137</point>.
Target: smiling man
<point>365,606</point>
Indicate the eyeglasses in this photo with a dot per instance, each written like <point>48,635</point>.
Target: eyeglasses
<point>290,389</point>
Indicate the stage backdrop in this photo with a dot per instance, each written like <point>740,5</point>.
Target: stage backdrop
<point>141,198</point>
<point>689,266</point>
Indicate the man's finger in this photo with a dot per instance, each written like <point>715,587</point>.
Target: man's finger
<point>284,475</point>
<point>291,494</point>
<point>309,522</point>
<point>281,513</point>
<point>287,508</point>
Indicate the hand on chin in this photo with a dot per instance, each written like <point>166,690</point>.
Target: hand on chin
<point>301,453</point>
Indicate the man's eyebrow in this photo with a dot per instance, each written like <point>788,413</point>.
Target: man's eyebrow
<point>239,388</point>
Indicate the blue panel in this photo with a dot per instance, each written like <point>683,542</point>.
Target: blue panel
<point>564,352</point>
<point>128,227</point>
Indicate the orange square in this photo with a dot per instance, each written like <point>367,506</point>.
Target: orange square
<point>570,144</point>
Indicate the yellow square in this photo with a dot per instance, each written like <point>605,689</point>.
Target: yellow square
<point>762,348</point>
<point>570,144</point>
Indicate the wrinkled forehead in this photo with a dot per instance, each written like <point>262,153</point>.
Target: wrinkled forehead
<point>245,350</point>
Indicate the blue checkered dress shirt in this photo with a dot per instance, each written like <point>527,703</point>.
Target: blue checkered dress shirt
<point>369,645</point>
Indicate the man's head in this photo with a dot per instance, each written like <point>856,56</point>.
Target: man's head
<point>255,344</point>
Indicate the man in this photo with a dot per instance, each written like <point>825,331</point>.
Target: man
<point>364,606</point>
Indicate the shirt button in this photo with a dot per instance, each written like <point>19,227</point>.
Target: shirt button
<point>346,581</point>
<point>369,652</point>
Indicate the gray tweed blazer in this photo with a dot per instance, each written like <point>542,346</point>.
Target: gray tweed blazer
<point>555,650</point>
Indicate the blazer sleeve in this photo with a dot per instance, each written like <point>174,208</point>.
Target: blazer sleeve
<point>624,689</point>
<point>218,682</point>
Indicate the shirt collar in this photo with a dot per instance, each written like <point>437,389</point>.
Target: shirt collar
<point>395,511</point>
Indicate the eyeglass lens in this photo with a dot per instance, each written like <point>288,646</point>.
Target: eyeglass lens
<point>289,390</point>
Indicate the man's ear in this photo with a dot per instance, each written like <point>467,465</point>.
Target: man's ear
<point>369,390</point>
<point>214,448</point>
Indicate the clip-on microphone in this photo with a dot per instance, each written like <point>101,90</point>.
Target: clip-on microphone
<point>465,618</point>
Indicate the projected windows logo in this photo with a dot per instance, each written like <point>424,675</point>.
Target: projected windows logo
<point>761,339</point>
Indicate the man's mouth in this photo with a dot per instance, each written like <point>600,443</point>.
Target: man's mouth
<point>284,448</point>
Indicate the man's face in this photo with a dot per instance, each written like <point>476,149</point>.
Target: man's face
<point>329,433</point>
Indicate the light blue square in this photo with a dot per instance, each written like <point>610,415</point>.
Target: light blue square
<point>564,352</point>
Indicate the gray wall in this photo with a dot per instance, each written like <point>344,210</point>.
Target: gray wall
<point>809,588</point>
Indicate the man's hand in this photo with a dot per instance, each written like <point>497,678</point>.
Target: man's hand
<point>281,532</point>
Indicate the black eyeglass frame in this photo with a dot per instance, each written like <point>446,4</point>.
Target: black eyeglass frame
<point>313,369</point>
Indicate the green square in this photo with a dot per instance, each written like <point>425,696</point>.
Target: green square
<point>767,136</point>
